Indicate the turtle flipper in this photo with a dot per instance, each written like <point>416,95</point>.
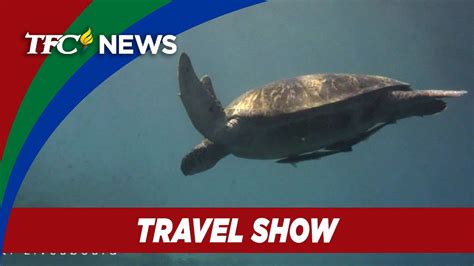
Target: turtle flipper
<point>310,156</point>
<point>343,146</point>
<point>403,104</point>
<point>200,101</point>
<point>351,142</point>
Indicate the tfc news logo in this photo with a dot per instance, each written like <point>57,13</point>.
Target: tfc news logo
<point>116,44</point>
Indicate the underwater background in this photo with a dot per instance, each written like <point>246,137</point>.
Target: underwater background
<point>123,145</point>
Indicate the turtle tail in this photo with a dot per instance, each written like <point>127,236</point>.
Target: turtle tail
<point>419,103</point>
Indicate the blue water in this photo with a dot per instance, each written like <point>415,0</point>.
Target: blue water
<point>122,146</point>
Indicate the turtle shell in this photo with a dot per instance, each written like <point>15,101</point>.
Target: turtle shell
<point>307,93</point>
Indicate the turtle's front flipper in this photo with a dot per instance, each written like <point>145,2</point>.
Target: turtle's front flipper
<point>342,146</point>
<point>351,142</point>
<point>200,101</point>
<point>310,156</point>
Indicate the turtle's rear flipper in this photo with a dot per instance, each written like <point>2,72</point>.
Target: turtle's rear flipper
<point>310,156</point>
<point>346,144</point>
<point>402,104</point>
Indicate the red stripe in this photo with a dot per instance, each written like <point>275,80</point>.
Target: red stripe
<point>18,18</point>
<point>359,230</point>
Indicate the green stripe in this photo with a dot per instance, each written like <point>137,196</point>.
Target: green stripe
<point>104,17</point>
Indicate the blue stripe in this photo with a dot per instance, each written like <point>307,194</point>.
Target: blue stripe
<point>174,18</point>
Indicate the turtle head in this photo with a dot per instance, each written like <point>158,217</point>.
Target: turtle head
<point>204,156</point>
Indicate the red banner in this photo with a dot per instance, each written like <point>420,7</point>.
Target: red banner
<point>243,230</point>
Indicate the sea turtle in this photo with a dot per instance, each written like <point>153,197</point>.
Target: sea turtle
<point>297,119</point>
